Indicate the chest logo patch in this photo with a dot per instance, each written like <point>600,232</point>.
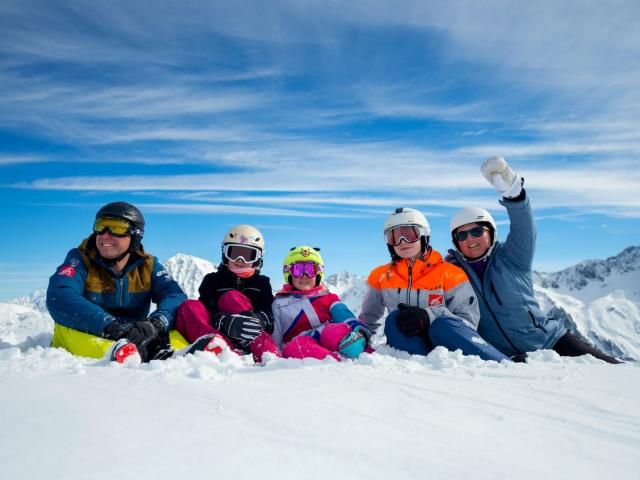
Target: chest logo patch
<point>67,271</point>
<point>435,300</point>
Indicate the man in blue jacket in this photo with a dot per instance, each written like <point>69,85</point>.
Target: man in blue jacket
<point>501,276</point>
<point>101,295</point>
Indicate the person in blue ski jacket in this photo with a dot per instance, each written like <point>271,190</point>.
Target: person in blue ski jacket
<point>100,297</point>
<point>501,273</point>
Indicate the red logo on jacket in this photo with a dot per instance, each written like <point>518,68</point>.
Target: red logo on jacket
<point>67,271</point>
<point>435,300</point>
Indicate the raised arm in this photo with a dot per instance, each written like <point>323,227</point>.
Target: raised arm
<point>519,246</point>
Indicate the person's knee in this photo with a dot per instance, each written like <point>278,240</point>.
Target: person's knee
<point>441,329</point>
<point>233,302</point>
<point>332,334</point>
<point>396,339</point>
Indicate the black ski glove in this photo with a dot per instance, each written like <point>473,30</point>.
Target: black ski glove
<point>148,335</point>
<point>265,319</point>
<point>242,328</point>
<point>115,330</point>
<point>412,321</point>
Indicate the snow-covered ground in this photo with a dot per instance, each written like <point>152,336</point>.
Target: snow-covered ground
<point>387,415</point>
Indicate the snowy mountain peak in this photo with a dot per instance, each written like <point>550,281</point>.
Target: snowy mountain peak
<point>37,300</point>
<point>587,272</point>
<point>189,271</point>
<point>349,287</point>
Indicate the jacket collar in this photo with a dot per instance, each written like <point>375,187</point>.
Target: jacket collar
<point>88,248</point>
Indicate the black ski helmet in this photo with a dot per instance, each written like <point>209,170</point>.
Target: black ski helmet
<point>127,212</point>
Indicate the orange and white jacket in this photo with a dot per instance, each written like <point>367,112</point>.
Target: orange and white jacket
<point>427,282</point>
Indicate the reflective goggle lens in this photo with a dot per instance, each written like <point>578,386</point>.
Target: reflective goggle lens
<point>297,270</point>
<point>116,226</point>
<point>408,233</point>
<point>242,252</point>
<point>462,235</point>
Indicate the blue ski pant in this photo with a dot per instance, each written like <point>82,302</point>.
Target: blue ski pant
<point>451,333</point>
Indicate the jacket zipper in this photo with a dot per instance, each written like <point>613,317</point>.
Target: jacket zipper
<point>121,281</point>
<point>410,265</point>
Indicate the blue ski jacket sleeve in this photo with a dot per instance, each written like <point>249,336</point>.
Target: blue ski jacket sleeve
<point>166,294</point>
<point>66,300</point>
<point>520,245</point>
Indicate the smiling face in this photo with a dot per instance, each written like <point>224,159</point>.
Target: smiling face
<point>111,247</point>
<point>408,250</point>
<point>474,247</point>
<point>303,282</point>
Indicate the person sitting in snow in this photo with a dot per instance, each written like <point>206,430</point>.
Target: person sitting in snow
<point>100,297</point>
<point>501,275</point>
<point>234,308</point>
<point>310,321</point>
<point>429,301</point>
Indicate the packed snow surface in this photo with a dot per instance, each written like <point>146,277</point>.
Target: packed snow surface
<point>387,415</point>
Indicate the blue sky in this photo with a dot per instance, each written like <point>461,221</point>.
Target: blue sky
<point>313,120</point>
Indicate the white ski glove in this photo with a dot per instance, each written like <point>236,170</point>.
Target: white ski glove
<point>499,174</point>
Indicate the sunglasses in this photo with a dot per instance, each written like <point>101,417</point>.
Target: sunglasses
<point>462,235</point>
<point>298,269</point>
<point>245,253</point>
<point>116,226</point>
<point>408,233</point>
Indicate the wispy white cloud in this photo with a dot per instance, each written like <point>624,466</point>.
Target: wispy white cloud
<point>21,159</point>
<point>213,209</point>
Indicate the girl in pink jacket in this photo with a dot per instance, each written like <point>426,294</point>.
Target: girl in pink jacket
<point>310,321</point>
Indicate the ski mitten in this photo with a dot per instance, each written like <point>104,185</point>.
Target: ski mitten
<point>413,321</point>
<point>499,174</point>
<point>352,345</point>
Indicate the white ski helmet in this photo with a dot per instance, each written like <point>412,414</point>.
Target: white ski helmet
<point>407,216</point>
<point>473,215</point>
<point>244,235</point>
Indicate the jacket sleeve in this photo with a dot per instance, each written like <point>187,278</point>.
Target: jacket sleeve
<point>265,299</point>
<point>207,292</point>
<point>372,308</point>
<point>65,300</point>
<point>166,294</point>
<point>277,326</point>
<point>519,247</point>
<point>461,302</point>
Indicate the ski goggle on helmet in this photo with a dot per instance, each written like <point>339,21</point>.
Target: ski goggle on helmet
<point>243,242</point>
<point>405,224</point>
<point>246,253</point>
<point>303,260</point>
<point>298,269</point>
<point>115,226</point>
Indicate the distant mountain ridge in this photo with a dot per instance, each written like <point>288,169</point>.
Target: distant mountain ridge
<point>588,271</point>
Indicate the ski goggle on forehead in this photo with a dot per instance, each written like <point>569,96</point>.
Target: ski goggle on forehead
<point>298,269</point>
<point>246,253</point>
<point>116,226</point>
<point>408,233</point>
<point>476,231</point>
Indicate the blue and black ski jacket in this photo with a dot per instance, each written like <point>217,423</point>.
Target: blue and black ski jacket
<point>86,295</point>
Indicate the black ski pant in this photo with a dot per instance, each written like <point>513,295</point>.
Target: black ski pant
<point>571,346</point>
